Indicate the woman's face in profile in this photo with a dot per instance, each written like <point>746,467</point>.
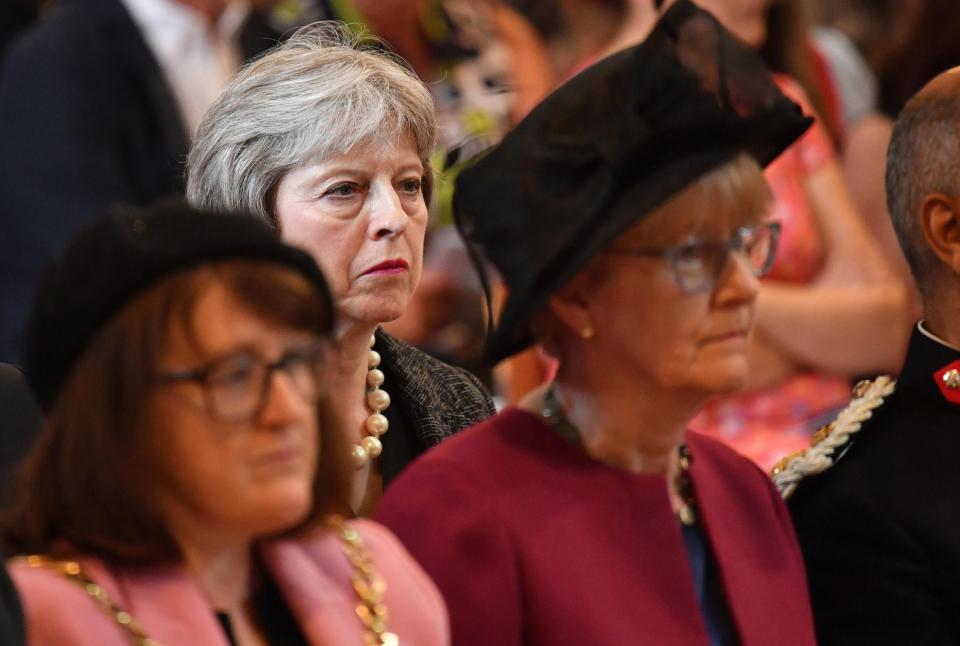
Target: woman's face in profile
<point>233,477</point>
<point>362,216</point>
<point>665,335</point>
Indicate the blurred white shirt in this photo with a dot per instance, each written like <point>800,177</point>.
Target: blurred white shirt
<point>197,58</point>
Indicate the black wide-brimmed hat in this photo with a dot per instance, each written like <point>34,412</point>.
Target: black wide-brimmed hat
<point>609,147</point>
<point>122,254</point>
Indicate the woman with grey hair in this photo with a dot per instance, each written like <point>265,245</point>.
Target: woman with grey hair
<point>327,138</point>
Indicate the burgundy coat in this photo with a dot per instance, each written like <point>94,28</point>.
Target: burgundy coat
<point>533,542</point>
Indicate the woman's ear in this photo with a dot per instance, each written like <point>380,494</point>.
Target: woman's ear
<point>940,222</point>
<point>570,306</point>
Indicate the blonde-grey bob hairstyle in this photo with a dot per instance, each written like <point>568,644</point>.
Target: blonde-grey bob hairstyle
<point>317,95</point>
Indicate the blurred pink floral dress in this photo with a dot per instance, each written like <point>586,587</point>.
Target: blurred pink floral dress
<point>767,424</point>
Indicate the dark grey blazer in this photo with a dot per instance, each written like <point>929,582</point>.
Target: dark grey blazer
<point>430,401</point>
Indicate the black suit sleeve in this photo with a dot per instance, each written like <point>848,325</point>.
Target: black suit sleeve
<point>65,155</point>
<point>20,422</point>
<point>62,159</point>
<point>11,614</point>
<point>870,582</point>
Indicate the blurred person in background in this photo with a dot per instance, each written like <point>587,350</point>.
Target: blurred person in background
<point>328,141</point>
<point>902,45</point>
<point>627,216</point>
<point>185,486</point>
<point>877,28</point>
<point>842,53</point>
<point>98,101</point>
<point>576,31</point>
<point>930,45</point>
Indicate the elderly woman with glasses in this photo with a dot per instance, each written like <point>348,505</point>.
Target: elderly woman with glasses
<point>185,485</point>
<point>329,142</point>
<point>626,214</point>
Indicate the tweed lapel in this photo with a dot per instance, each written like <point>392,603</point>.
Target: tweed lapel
<point>437,400</point>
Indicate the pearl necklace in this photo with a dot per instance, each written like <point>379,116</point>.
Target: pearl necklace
<point>377,401</point>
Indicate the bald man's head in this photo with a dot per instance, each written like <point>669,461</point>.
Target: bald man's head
<point>924,158</point>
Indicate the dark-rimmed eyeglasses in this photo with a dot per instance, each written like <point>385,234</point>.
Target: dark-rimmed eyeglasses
<point>698,263</point>
<point>235,387</point>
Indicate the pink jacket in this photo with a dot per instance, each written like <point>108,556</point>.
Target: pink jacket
<point>312,573</point>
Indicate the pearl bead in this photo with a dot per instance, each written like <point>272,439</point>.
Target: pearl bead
<point>377,424</point>
<point>377,400</point>
<point>360,456</point>
<point>372,446</point>
<point>375,378</point>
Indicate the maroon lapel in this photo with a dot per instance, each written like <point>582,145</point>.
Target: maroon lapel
<point>755,549</point>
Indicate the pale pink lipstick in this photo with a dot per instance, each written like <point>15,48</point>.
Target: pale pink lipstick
<point>285,459</point>
<point>388,268</point>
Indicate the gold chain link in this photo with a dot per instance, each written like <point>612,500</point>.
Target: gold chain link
<point>74,573</point>
<point>368,584</point>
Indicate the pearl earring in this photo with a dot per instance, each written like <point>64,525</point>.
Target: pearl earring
<point>586,332</point>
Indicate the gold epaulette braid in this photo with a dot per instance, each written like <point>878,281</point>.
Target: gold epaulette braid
<point>867,396</point>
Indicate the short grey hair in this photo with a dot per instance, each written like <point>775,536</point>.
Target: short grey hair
<point>922,159</point>
<point>317,95</point>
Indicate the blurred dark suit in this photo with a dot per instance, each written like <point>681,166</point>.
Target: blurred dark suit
<point>11,614</point>
<point>15,16</point>
<point>20,422</point>
<point>86,120</point>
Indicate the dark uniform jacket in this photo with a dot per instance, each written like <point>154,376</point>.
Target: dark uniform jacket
<point>880,530</point>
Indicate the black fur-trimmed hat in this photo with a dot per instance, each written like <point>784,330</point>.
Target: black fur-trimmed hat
<point>112,260</point>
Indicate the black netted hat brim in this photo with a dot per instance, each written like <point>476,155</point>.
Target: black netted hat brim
<point>112,260</point>
<point>607,149</point>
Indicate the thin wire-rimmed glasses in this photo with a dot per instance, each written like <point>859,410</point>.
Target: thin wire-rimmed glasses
<point>235,387</point>
<point>698,263</point>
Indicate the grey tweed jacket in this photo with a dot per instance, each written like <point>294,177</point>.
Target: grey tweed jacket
<point>430,401</point>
